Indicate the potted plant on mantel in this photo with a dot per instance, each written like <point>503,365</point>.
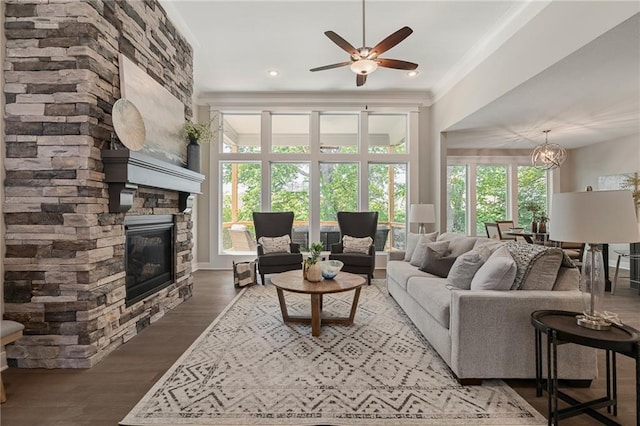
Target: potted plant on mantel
<point>196,133</point>
<point>310,269</point>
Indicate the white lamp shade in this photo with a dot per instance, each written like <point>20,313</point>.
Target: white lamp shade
<point>594,217</point>
<point>422,213</point>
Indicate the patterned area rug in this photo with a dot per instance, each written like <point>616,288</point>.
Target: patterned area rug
<point>249,368</point>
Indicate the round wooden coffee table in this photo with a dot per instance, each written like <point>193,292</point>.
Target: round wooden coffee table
<point>293,281</point>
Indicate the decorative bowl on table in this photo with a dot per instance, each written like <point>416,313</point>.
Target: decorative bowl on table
<point>517,230</point>
<point>330,268</point>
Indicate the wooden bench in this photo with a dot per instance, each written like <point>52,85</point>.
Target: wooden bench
<point>10,331</point>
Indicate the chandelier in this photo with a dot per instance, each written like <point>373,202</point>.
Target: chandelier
<point>548,156</point>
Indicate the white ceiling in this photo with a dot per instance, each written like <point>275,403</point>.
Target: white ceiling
<point>236,42</point>
<point>590,96</point>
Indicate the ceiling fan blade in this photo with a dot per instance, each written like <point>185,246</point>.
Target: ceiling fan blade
<point>392,40</point>
<point>344,44</point>
<point>328,67</point>
<point>397,64</point>
<point>360,79</point>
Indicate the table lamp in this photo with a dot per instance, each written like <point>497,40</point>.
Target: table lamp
<point>422,213</point>
<point>594,217</point>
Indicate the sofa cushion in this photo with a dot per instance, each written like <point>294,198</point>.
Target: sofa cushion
<point>353,259</point>
<point>497,273</point>
<point>568,279</point>
<point>466,266</point>
<point>400,272</point>
<point>458,243</point>
<point>276,244</point>
<point>437,263</point>
<point>433,295</point>
<point>278,259</point>
<point>419,254</point>
<point>414,239</point>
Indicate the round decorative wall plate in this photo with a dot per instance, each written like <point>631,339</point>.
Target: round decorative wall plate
<point>128,124</point>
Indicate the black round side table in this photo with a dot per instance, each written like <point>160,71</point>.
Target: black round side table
<point>561,327</point>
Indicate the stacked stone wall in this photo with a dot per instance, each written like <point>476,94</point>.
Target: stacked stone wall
<point>64,264</point>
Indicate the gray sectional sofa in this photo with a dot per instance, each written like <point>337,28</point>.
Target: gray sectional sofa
<point>487,334</point>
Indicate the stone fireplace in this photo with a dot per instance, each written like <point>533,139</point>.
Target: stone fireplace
<point>68,205</point>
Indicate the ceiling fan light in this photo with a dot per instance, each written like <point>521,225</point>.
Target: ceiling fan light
<point>364,66</point>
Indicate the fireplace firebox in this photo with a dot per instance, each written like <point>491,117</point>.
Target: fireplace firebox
<point>150,255</point>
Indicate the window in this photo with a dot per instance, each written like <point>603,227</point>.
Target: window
<point>491,195</point>
<point>387,134</point>
<point>388,196</point>
<point>339,133</point>
<point>532,192</point>
<point>241,133</point>
<point>240,198</point>
<point>502,188</point>
<point>290,133</point>
<point>338,190</point>
<point>457,199</point>
<point>317,163</point>
<point>290,192</point>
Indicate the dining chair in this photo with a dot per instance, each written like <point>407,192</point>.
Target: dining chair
<point>503,227</point>
<point>492,230</point>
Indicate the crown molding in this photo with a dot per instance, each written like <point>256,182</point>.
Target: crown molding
<point>343,100</point>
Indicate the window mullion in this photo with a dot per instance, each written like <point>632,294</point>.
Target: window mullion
<point>472,182</point>
<point>314,180</point>
<point>265,146</point>
<point>363,164</point>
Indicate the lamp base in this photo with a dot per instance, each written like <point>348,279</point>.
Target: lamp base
<point>594,323</point>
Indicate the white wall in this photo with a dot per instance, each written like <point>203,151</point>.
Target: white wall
<point>586,164</point>
<point>546,39</point>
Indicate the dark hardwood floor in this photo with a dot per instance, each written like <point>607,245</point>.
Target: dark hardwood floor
<point>104,394</point>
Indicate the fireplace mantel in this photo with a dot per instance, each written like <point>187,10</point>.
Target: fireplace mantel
<point>124,170</point>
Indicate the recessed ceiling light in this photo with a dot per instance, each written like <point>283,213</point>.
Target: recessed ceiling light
<point>272,73</point>
<point>413,73</point>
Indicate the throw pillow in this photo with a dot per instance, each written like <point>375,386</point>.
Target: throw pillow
<point>486,242</point>
<point>466,266</point>
<point>356,245</point>
<point>544,271</point>
<point>275,244</point>
<point>458,243</point>
<point>414,239</point>
<point>417,259</point>
<point>497,273</point>
<point>436,263</point>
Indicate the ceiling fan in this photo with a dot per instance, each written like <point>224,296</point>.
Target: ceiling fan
<point>366,60</point>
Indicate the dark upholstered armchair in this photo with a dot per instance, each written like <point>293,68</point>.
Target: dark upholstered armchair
<point>275,225</point>
<point>358,225</point>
